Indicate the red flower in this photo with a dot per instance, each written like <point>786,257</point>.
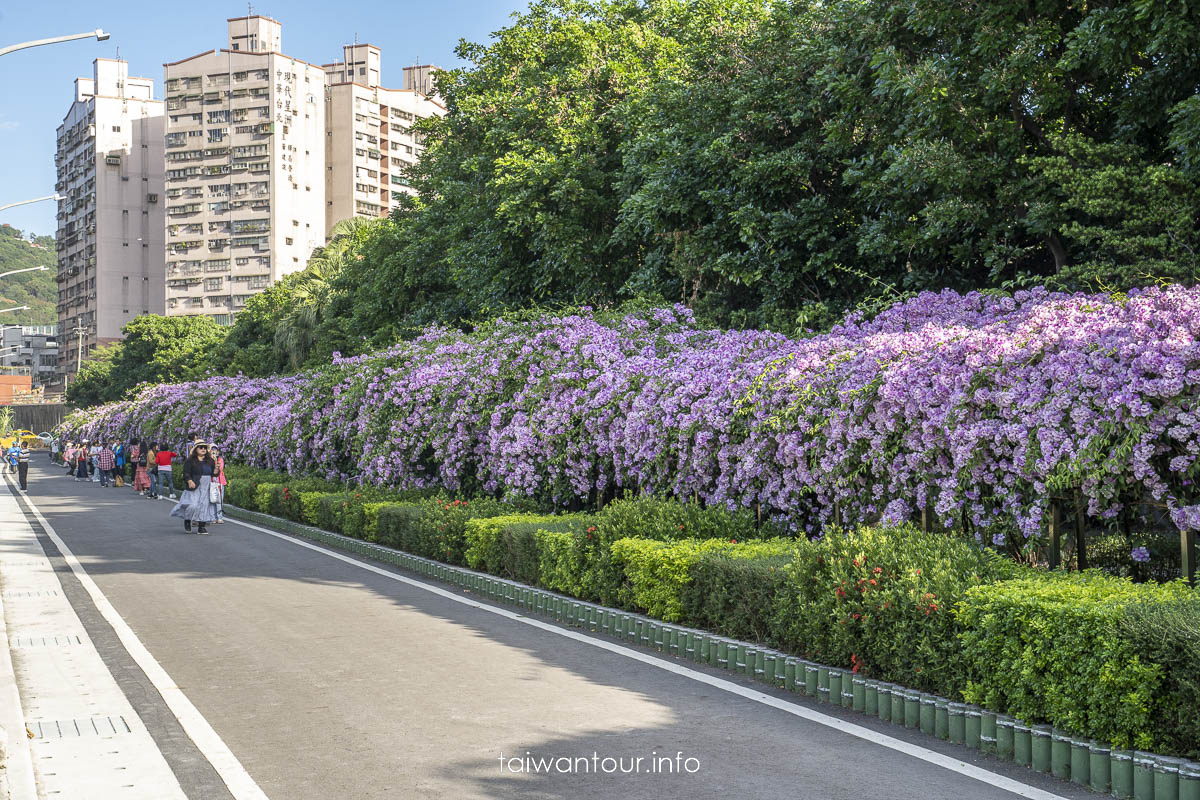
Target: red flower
<point>733,541</point>
<point>591,530</point>
<point>877,570</point>
<point>874,582</point>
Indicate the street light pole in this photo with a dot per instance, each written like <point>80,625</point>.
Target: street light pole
<point>34,200</point>
<point>27,269</point>
<point>14,308</point>
<point>99,34</point>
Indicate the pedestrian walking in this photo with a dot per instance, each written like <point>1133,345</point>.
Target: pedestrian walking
<point>141,480</point>
<point>152,469</point>
<point>93,453</point>
<point>132,452</point>
<point>197,502</point>
<point>54,449</point>
<point>81,461</point>
<point>118,461</point>
<point>221,483</point>
<point>165,477</point>
<point>23,467</point>
<point>106,464</point>
<point>10,455</point>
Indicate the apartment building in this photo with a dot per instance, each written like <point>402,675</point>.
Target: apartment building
<point>110,217</point>
<point>245,157</point>
<point>369,141</point>
<point>34,347</point>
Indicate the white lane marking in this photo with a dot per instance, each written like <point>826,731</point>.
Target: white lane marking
<point>916,751</point>
<point>235,776</point>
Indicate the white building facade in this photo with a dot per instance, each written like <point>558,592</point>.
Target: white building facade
<point>110,221</point>
<point>245,155</point>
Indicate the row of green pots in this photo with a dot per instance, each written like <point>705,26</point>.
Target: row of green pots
<point>1086,762</point>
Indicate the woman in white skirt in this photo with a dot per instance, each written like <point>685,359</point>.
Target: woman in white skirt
<point>198,501</point>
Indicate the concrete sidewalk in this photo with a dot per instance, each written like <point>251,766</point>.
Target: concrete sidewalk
<point>71,730</point>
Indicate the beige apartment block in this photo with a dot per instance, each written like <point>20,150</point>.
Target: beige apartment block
<point>245,170</point>
<point>369,141</point>
<point>110,220</point>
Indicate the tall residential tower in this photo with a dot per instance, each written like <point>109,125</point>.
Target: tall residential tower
<point>110,220</point>
<point>245,156</point>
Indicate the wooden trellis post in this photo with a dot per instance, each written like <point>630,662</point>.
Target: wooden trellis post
<point>1055,535</point>
<point>1187,546</point>
<point>1080,540</point>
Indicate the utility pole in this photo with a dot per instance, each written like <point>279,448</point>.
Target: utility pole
<point>79,331</point>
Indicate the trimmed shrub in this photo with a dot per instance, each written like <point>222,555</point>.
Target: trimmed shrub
<point>435,528</point>
<point>309,502</point>
<point>880,600</point>
<point>1050,648</point>
<point>361,520</point>
<point>486,548</point>
<point>658,572</point>
<point>657,518</point>
<point>732,593</point>
<point>1168,634</point>
<point>331,510</point>
<point>560,561</point>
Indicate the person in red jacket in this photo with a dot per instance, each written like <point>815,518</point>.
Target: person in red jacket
<point>164,458</point>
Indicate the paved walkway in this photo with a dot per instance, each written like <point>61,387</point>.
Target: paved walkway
<point>320,678</point>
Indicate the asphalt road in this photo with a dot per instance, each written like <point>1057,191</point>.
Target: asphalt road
<point>327,680</point>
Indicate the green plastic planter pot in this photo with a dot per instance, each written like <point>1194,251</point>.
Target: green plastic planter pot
<point>928,713</point>
<point>789,674</point>
<point>1040,745</point>
<point>898,704</point>
<point>781,672</point>
<point>1022,744</point>
<point>847,690</point>
<point>835,687</point>
<point>768,669</point>
<point>870,698</point>
<point>721,650</point>
<point>1060,755</point>
<point>760,666</point>
<point>956,714</point>
<point>1166,777</point>
<point>823,683</point>
<point>973,728</point>
<point>745,660</point>
<point>883,692</point>
<point>812,679</point>
<point>1143,775</point>
<point>1004,737</point>
<point>1189,781</point>
<point>941,718</point>
<point>987,732</point>
<point>1120,771</point>
<point>1100,764</point>
<point>1081,767</point>
<point>912,709</point>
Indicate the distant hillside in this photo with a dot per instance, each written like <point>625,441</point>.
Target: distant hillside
<point>37,290</point>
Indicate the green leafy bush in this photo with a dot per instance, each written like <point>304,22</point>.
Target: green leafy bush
<point>654,518</point>
<point>486,546</point>
<point>659,572</point>
<point>560,560</point>
<point>1168,634</point>
<point>880,600</point>
<point>435,528</point>
<point>732,593</point>
<point>1051,648</point>
<point>309,504</point>
<point>331,510</point>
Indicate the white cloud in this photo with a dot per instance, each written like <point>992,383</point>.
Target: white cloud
<point>9,125</point>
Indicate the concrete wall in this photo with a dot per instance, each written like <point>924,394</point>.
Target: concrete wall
<point>39,418</point>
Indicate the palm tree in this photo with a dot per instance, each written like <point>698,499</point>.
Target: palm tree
<point>312,291</point>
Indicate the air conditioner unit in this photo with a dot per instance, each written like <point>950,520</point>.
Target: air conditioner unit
<point>113,160</point>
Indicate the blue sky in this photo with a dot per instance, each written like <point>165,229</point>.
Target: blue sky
<point>37,83</point>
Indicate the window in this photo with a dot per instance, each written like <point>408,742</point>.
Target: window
<point>116,128</point>
<point>212,284</point>
<point>362,70</point>
<point>288,240</point>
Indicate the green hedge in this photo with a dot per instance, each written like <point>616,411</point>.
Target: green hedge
<point>656,518</point>
<point>880,600</point>
<point>657,573</point>
<point>1167,633</point>
<point>1052,648</point>
<point>732,593</point>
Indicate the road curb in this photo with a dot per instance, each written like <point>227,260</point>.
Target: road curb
<point>17,779</point>
<point>1091,764</point>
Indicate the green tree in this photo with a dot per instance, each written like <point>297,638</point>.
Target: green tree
<point>38,290</point>
<point>155,350</point>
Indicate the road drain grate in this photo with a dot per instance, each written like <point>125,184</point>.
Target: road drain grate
<point>45,641</point>
<point>76,728</point>
<point>46,593</point>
